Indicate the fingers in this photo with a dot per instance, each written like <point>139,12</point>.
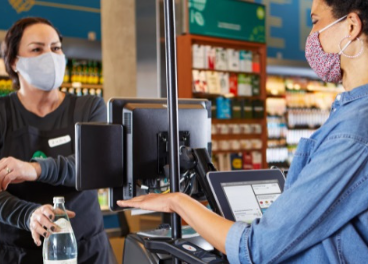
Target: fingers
<point>71,214</point>
<point>15,171</point>
<point>136,203</point>
<point>5,170</point>
<point>41,224</point>
<point>8,178</point>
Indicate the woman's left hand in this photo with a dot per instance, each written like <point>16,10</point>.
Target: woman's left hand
<point>152,201</point>
<point>13,170</point>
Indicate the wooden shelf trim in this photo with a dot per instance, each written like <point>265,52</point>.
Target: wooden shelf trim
<point>235,136</point>
<point>227,71</point>
<point>82,85</point>
<point>238,121</point>
<point>213,96</point>
<point>234,151</point>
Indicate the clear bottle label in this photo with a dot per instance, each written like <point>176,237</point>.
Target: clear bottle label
<point>65,226</point>
<point>67,261</point>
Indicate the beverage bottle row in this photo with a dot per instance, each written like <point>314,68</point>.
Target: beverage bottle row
<point>276,127</point>
<point>5,87</point>
<point>89,72</point>
<point>307,117</point>
<point>83,91</point>
<point>277,155</point>
<point>293,136</point>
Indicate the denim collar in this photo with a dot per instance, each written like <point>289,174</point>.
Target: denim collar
<point>356,93</point>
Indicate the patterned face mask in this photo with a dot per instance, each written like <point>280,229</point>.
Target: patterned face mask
<point>326,65</point>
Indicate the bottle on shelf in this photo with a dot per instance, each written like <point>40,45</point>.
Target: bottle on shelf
<point>100,75</point>
<point>74,76</point>
<point>60,246</point>
<point>5,87</point>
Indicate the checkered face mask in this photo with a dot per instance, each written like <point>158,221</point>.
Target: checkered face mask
<point>326,65</point>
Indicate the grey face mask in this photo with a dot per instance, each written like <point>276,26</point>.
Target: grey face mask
<point>45,72</point>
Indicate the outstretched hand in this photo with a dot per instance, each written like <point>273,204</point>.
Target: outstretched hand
<point>152,202</point>
<point>13,170</point>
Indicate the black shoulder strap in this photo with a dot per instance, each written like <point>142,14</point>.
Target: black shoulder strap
<point>73,100</point>
<point>8,113</point>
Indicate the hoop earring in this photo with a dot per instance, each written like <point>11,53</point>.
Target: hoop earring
<point>343,49</point>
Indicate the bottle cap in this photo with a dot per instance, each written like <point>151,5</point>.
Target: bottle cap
<point>59,199</point>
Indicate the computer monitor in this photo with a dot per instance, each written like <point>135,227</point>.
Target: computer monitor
<point>146,130</point>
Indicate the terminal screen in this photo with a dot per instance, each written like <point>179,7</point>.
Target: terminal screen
<point>249,200</point>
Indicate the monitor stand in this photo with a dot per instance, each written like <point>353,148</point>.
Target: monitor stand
<point>157,246</point>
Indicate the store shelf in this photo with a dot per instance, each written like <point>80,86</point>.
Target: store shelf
<point>227,71</point>
<point>234,136</point>
<point>234,151</point>
<point>82,85</point>
<point>213,96</point>
<point>238,121</point>
<point>185,87</point>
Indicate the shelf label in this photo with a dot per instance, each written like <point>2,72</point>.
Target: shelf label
<point>246,21</point>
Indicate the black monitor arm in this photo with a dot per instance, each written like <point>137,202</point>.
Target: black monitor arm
<point>199,161</point>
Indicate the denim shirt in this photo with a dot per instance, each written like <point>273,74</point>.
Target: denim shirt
<point>322,216</point>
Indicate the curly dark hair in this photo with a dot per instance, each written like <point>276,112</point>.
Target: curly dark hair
<point>341,8</point>
<point>10,46</point>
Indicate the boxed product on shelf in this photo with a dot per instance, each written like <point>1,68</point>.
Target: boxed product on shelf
<point>236,160</point>
<point>221,59</point>
<point>199,81</point>
<point>224,162</point>
<point>213,82</point>
<point>256,64</point>
<point>246,128</point>
<point>245,61</point>
<point>233,59</point>
<point>257,160</point>
<point>256,128</point>
<point>210,57</point>
<point>213,129</point>
<point>234,144</point>
<point>246,160</point>
<point>245,144</point>
<point>223,129</point>
<point>214,145</point>
<point>223,108</point>
<point>248,109</point>
<point>233,84</point>
<point>198,56</point>
<point>224,83</point>
<point>258,109</point>
<point>244,85</point>
<point>213,107</point>
<point>224,145</point>
<point>256,143</point>
<point>238,108</point>
<point>255,85</point>
<point>234,129</point>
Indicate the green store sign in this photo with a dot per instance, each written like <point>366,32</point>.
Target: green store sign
<point>228,19</point>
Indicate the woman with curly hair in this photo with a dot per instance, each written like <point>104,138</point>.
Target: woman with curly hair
<point>322,216</point>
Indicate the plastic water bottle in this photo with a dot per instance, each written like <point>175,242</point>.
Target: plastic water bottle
<point>61,246</point>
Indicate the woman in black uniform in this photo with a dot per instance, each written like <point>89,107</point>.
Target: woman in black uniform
<point>37,148</point>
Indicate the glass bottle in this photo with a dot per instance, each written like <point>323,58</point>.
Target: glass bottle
<point>60,246</point>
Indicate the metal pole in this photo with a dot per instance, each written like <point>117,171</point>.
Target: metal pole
<point>172,103</point>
